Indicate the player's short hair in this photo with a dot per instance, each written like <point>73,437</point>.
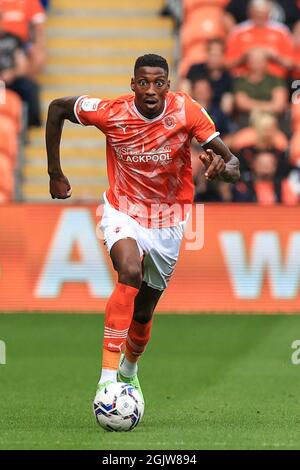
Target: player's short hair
<point>151,60</point>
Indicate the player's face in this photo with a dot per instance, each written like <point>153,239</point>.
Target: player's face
<point>150,86</point>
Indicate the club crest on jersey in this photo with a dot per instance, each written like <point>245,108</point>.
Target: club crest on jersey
<point>90,104</point>
<point>169,122</point>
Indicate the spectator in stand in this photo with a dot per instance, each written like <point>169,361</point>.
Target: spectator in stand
<point>265,185</point>
<point>26,19</point>
<point>13,72</point>
<point>13,61</point>
<point>259,90</point>
<point>247,156</point>
<point>214,70</point>
<point>259,31</point>
<point>284,11</point>
<point>202,92</point>
<point>263,135</point>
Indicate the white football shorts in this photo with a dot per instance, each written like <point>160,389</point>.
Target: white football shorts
<point>159,246</point>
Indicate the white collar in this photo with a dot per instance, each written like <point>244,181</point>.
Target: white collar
<point>157,118</point>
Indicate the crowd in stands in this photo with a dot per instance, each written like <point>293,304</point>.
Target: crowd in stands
<point>241,61</point>
<point>22,58</point>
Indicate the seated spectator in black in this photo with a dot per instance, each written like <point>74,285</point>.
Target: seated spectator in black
<point>13,71</point>
<point>247,156</point>
<point>202,92</point>
<point>214,70</point>
<point>285,11</point>
<point>259,90</point>
<point>264,184</point>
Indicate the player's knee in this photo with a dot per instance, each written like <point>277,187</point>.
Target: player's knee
<point>143,315</point>
<point>131,274</point>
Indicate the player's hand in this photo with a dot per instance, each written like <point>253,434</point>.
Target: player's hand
<point>60,187</point>
<point>214,164</point>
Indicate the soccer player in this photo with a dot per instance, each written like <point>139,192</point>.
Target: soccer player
<point>148,135</point>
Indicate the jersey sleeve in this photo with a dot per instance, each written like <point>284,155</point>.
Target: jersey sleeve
<point>199,123</point>
<point>91,111</point>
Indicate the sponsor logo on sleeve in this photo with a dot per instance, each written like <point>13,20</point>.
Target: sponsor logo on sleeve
<point>90,104</point>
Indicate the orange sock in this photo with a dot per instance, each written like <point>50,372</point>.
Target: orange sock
<point>137,339</point>
<point>118,316</point>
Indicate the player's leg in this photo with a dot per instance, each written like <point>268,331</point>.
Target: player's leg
<point>140,328</point>
<point>158,265</point>
<point>126,260</point>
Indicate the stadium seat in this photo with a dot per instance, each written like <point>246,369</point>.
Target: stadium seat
<point>8,138</point>
<point>195,54</point>
<point>12,108</point>
<point>189,6</point>
<point>203,21</point>
<point>204,24</point>
<point>6,180</point>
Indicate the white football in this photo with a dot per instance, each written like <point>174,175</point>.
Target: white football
<point>118,407</point>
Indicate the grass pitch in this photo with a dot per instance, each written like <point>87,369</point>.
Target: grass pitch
<point>210,382</point>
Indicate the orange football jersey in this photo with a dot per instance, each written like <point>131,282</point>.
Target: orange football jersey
<point>148,160</point>
<point>246,36</point>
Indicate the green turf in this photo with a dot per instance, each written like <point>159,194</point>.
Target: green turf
<point>210,382</point>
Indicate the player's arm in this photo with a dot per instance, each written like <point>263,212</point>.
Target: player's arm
<point>220,162</point>
<point>59,110</point>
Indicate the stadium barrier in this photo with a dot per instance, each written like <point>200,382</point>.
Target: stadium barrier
<point>52,260</point>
